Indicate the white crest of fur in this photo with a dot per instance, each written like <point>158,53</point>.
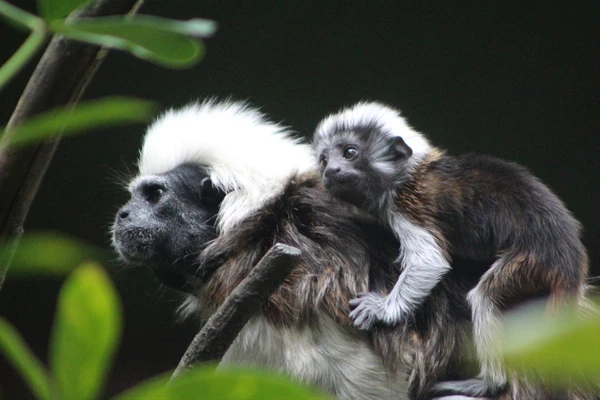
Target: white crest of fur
<point>374,114</point>
<point>248,157</point>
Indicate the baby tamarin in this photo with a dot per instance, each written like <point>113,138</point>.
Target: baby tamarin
<point>439,207</point>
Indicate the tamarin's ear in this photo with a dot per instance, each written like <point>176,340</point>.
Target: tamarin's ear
<point>211,196</point>
<point>399,149</point>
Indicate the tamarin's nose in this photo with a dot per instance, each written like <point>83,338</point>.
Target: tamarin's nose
<point>333,170</point>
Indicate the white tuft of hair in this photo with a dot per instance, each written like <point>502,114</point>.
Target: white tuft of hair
<point>377,115</point>
<point>248,157</point>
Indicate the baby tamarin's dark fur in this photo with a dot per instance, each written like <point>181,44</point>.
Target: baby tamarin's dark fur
<point>440,207</point>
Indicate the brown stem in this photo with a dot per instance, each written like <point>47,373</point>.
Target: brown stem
<point>211,343</point>
<point>60,78</point>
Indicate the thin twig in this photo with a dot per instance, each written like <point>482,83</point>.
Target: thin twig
<point>60,78</point>
<point>211,343</point>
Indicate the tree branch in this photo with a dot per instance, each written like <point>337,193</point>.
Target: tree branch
<point>211,343</point>
<point>60,78</point>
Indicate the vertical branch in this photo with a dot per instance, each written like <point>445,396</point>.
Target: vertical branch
<point>211,343</point>
<point>60,78</point>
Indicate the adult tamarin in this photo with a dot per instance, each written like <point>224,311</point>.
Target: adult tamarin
<point>442,207</point>
<point>218,185</point>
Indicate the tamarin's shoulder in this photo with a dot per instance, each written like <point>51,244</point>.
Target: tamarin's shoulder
<point>445,182</point>
<point>472,168</point>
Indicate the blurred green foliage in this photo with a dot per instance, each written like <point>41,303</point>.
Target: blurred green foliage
<point>170,43</point>
<point>16,352</point>
<point>93,114</point>
<point>48,253</point>
<point>85,336</point>
<point>86,332</point>
<point>562,349</point>
<point>226,384</point>
<point>52,10</point>
<point>162,41</point>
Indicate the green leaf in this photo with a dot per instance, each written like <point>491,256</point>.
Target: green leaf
<point>20,18</point>
<point>22,56</point>
<point>70,120</point>
<point>17,352</point>
<point>57,9</point>
<point>561,349</point>
<point>86,332</point>
<point>227,384</point>
<point>165,42</point>
<point>47,253</point>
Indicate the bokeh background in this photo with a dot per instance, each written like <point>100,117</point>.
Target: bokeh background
<point>517,80</point>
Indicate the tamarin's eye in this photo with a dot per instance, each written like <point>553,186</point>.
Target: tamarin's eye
<point>153,193</point>
<point>350,152</point>
<point>323,161</point>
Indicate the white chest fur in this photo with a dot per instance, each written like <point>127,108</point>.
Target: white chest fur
<point>340,361</point>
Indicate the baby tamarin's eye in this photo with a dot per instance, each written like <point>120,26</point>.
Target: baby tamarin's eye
<point>350,152</point>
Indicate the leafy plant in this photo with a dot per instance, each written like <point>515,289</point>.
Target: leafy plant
<point>48,253</point>
<point>227,384</point>
<point>85,336</point>
<point>93,114</point>
<point>563,349</point>
<point>87,328</point>
<point>170,43</point>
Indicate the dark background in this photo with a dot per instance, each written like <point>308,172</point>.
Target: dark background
<point>516,81</point>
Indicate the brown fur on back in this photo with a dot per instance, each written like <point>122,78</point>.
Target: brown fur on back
<point>344,252</point>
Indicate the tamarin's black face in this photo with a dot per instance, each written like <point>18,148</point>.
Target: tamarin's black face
<point>345,173</point>
<point>167,222</point>
<point>360,170</point>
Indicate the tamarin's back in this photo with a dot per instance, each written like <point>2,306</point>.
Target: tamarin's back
<point>486,205</point>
